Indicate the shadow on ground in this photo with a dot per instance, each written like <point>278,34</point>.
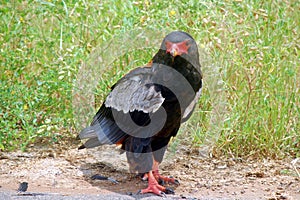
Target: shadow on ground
<point>66,174</point>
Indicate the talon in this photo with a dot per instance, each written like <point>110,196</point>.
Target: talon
<point>129,193</point>
<point>161,182</point>
<point>163,194</point>
<point>145,177</point>
<point>169,191</point>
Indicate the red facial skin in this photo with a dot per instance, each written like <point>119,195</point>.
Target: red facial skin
<point>177,49</point>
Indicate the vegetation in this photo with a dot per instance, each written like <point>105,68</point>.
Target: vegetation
<point>251,101</point>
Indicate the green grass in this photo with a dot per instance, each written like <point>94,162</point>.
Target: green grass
<point>250,104</point>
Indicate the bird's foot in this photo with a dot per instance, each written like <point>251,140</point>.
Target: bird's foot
<point>164,179</point>
<point>155,188</point>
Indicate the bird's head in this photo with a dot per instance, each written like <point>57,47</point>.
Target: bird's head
<point>178,43</point>
<point>176,46</point>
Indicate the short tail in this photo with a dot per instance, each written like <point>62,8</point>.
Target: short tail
<point>100,133</point>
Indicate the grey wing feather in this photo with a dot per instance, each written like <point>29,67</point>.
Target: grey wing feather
<point>135,91</point>
<point>189,110</point>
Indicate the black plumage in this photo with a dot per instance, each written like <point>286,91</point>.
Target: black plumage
<point>146,107</point>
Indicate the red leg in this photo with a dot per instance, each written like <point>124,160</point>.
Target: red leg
<point>165,179</point>
<point>161,178</point>
<point>153,186</point>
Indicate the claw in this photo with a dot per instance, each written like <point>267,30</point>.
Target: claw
<point>161,182</point>
<point>176,182</point>
<point>162,194</point>
<point>169,191</point>
<point>145,177</point>
<point>129,193</point>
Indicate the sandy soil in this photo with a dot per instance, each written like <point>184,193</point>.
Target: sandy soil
<point>68,172</point>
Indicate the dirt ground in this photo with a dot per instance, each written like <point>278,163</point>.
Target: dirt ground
<point>68,172</point>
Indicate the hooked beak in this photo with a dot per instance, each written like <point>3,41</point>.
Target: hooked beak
<point>174,52</point>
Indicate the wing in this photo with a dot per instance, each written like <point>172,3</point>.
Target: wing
<point>194,78</point>
<point>127,110</point>
<point>189,110</point>
<point>135,91</point>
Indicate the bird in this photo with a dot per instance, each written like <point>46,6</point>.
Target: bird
<point>146,107</point>
<point>23,187</point>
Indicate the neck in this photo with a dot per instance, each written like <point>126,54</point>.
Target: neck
<point>161,57</point>
<point>181,65</point>
<point>164,58</point>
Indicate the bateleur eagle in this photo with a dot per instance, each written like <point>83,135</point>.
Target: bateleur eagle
<point>146,107</point>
